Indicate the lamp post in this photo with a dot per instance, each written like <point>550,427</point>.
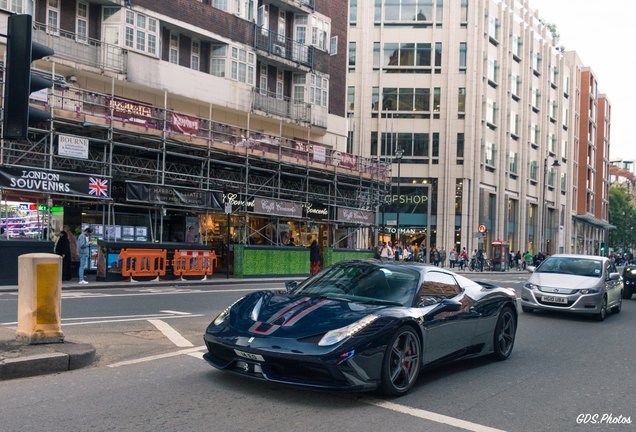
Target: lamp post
<point>544,231</point>
<point>398,155</point>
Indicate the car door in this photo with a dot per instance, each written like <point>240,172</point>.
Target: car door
<point>447,332</point>
<point>613,287</point>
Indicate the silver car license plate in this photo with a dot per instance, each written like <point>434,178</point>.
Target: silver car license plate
<point>249,355</point>
<point>553,299</point>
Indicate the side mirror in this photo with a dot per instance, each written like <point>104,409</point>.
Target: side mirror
<point>446,305</point>
<point>614,276</point>
<point>290,286</point>
<point>531,269</point>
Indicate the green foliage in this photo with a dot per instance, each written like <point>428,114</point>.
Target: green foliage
<point>622,214</point>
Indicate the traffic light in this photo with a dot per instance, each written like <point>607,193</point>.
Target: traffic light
<point>19,80</point>
<point>602,248</point>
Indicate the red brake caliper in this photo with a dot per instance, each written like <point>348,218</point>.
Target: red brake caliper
<point>407,364</point>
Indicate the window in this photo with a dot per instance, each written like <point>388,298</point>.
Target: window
<point>351,96</point>
<point>463,12</point>
<point>141,34</point>
<point>298,88</point>
<point>534,134</point>
<point>352,55</point>
<point>242,65</point>
<point>534,170</point>
<point>491,112</point>
<point>53,16</point>
<point>515,86</point>
<point>436,287</point>
<point>195,55</point>
<point>407,55</point>
<point>461,100</point>
<point>438,56</point>
<point>173,56</point>
<point>279,85</point>
<point>353,11</point>
<point>333,46</point>
<point>81,22</point>
<point>489,154</point>
<point>405,99</point>
<point>376,54</point>
<point>535,97</point>
<point>512,163</point>
<point>18,6</point>
<point>516,47</point>
<point>437,97</point>
<point>217,60</point>
<point>462,56</point>
<point>244,9</point>
<point>460,145</point>
<point>435,145</point>
<point>492,72</point>
<point>320,32</point>
<point>220,4</point>
<point>493,28</point>
<point>514,124</point>
<point>318,90</point>
<point>536,62</point>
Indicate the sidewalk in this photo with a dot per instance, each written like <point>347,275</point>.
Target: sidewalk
<point>18,360</point>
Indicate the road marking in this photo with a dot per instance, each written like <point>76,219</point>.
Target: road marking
<point>115,318</point>
<point>428,415</point>
<point>175,312</point>
<point>169,332</point>
<point>157,357</point>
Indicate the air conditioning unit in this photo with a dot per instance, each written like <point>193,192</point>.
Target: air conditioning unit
<point>279,50</point>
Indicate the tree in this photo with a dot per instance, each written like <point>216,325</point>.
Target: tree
<point>622,214</point>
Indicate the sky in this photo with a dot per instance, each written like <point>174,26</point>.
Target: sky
<point>602,33</point>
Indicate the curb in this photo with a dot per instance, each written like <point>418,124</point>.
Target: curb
<point>59,358</point>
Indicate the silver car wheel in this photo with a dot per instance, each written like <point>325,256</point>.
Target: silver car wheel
<point>602,313</point>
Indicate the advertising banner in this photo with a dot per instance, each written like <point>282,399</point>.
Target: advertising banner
<point>357,216</point>
<point>131,112</point>
<point>162,194</point>
<point>277,207</point>
<point>316,211</point>
<point>185,124</point>
<point>40,180</point>
<point>72,146</point>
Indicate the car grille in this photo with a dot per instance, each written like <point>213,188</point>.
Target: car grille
<point>295,370</point>
<point>219,351</point>
<point>557,290</point>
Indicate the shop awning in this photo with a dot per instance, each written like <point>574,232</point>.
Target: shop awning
<point>594,221</point>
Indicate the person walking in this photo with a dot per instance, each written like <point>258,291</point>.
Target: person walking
<point>83,252</point>
<point>463,258</point>
<point>63,249</point>
<point>314,257</point>
<point>452,257</point>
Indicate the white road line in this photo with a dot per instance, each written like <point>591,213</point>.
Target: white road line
<point>428,415</point>
<point>197,355</point>
<point>157,357</point>
<point>114,318</point>
<point>169,332</point>
<point>174,312</point>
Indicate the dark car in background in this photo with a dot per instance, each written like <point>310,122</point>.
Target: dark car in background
<point>629,281</point>
<point>362,325</point>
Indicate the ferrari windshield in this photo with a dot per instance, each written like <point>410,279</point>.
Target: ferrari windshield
<point>572,265</point>
<point>364,282</point>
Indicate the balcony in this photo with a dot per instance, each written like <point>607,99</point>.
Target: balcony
<point>283,47</point>
<point>90,52</point>
<point>269,103</point>
<point>307,6</point>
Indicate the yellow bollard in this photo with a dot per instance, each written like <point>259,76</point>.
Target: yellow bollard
<point>39,298</point>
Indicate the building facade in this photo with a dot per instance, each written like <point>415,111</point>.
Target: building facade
<point>479,111</point>
<point>171,109</point>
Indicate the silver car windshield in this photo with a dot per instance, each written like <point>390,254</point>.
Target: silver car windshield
<point>364,282</point>
<point>572,265</point>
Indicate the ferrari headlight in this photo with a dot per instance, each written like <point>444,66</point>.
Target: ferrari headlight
<point>335,336</point>
<point>220,318</point>
<point>531,286</point>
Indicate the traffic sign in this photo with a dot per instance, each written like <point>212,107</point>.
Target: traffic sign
<point>482,228</point>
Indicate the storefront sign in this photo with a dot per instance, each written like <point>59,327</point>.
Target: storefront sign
<point>320,153</point>
<point>357,216</point>
<point>131,111</point>
<point>72,146</point>
<point>405,199</point>
<point>162,194</point>
<point>316,211</point>
<point>277,207</point>
<point>185,124</point>
<point>238,201</point>
<point>39,180</point>
<point>344,160</point>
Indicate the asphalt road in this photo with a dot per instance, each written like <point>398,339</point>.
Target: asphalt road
<point>150,377</point>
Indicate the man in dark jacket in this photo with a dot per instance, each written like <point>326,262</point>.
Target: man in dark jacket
<point>63,249</point>
<point>314,257</point>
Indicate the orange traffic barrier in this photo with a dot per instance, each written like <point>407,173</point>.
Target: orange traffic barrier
<point>143,262</point>
<point>193,263</point>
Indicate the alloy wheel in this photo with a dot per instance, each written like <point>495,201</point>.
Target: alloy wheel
<point>404,360</point>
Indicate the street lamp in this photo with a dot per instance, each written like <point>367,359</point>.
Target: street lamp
<point>398,155</point>
<point>544,240</point>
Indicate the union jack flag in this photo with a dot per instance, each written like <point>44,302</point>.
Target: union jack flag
<point>98,187</point>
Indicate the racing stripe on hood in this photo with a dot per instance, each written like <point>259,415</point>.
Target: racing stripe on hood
<point>287,309</point>
<point>304,312</point>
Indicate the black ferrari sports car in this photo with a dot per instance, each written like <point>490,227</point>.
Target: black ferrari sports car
<point>629,281</point>
<point>362,325</point>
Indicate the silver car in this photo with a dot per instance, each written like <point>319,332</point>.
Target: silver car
<point>574,283</point>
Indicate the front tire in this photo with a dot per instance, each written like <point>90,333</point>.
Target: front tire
<point>602,313</point>
<point>617,309</point>
<point>401,364</point>
<point>504,334</point>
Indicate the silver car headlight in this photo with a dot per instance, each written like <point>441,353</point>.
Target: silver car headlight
<point>220,318</point>
<point>335,336</point>
<point>589,291</point>
<point>531,286</point>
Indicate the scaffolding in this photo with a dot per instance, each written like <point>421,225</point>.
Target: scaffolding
<point>134,141</point>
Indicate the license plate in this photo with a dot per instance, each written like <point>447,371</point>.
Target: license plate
<point>249,355</point>
<point>553,299</point>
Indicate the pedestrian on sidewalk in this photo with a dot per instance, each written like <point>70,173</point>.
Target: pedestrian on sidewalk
<point>63,249</point>
<point>83,252</point>
<point>314,257</point>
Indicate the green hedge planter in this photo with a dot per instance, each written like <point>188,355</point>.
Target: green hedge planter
<point>332,256</point>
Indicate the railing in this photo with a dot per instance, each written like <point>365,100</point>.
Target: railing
<point>138,117</point>
<point>282,106</point>
<point>84,50</point>
<point>284,47</point>
<point>302,3</point>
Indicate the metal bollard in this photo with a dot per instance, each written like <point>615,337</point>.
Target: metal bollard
<point>39,299</point>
